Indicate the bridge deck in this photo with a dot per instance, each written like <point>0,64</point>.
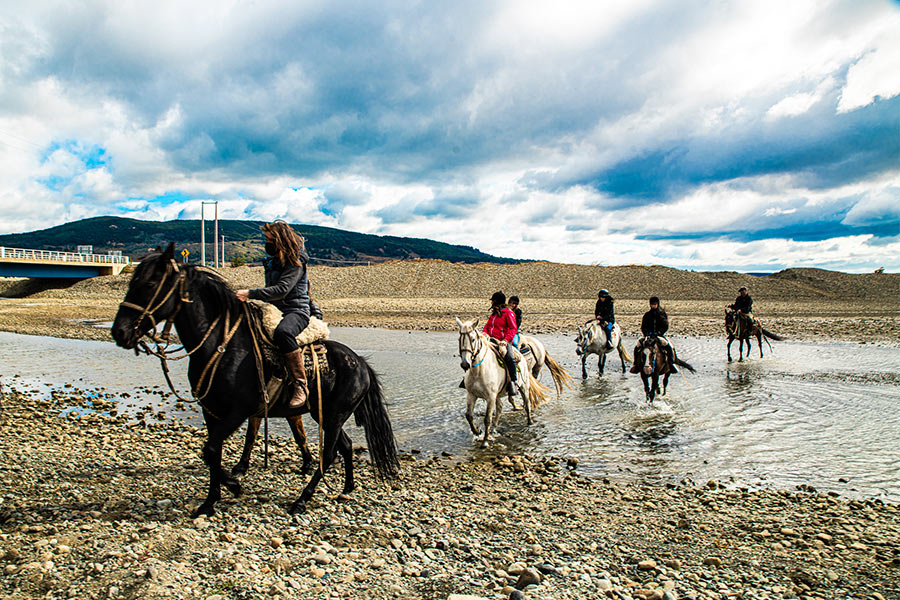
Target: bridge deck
<point>22,262</point>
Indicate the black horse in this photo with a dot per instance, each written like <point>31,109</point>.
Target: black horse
<point>211,322</point>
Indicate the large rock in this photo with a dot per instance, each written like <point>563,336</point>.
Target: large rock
<point>528,577</point>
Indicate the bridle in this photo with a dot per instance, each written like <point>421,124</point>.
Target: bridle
<point>162,341</point>
<point>587,336</point>
<point>476,347</point>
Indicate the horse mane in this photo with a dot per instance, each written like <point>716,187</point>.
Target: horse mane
<point>209,284</point>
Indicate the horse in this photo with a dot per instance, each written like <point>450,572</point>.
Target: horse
<point>738,329</point>
<point>656,363</point>
<point>227,374</point>
<point>538,357</point>
<point>485,377</point>
<point>592,340</point>
<point>295,422</point>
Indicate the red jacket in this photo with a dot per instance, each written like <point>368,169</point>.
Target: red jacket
<point>502,326</point>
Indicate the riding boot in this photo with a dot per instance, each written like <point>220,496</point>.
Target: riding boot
<point>294,362</point>
<point>670,352</point>
<point>511,371</point>
<point>638,359</point>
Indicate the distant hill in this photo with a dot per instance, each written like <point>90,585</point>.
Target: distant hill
<point>325,245</point>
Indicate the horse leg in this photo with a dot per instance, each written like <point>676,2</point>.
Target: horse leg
<point>345,447</point>
<point>647,391</point>
<point>621,350</point>
<point>583,368</point>
<point>665,384</point>
<point>470,412</point>
<point>527,401</point>
<point>728,347</point>
<point>601,364</point>
<point>329,450</point>
<point>759,342</point>
<point>244,463</point>
<point>488,417</point>
<point>218,432</point>
<point>740,349</point>
<point>296,423</point>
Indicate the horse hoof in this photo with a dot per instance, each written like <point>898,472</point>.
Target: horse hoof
<point>484,445</point>
<point>343,498</point>
<point>239,470</point>
<point>234,486</point>
<point>298,508</point>
<point>204,510</point>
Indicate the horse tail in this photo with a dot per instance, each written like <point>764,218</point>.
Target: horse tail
<point>537,392</point>
<point>372,415</point>
<point>769,334</point>
<point>624,353</point>
<point>560,376</point>
<point>684,364</point>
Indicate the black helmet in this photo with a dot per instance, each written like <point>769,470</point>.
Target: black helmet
<point>604,293</point>
<point>654,300</point>
<point>498,298</point>
<point>743,288</point>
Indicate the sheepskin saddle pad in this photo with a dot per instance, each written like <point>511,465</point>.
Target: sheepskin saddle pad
<point>317,331</point>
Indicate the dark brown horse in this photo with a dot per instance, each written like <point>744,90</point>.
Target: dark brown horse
<point>741,330</point>
<point>655,362</point>
<point>225,375</point>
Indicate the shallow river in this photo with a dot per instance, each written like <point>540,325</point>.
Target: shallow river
<point>826,415</point>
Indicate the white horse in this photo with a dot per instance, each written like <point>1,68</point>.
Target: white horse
<point>592,340</point>
<point>486,378</point>
<point>537,356</point>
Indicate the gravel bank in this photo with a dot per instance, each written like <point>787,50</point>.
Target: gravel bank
<point>427,294</point>
<point>96,507</point>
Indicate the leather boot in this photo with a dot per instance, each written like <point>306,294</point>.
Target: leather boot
<point>294,362</point>
<point>670,352</point>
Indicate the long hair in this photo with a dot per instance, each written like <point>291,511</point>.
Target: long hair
<point>289,245</point>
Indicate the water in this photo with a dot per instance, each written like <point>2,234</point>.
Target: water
<point>822,414</point>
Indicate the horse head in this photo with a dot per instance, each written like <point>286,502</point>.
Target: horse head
<point>579,341</point>
<point>649,349</point>
<point>153,296</point>
<point>468,342</point>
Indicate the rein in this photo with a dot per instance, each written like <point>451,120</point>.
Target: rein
<point>479,345</point>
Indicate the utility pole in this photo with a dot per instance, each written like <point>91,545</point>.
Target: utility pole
<point>223,252</point>
<point>203,204</point>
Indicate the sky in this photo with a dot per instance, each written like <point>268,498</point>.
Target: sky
<point>749,135</point>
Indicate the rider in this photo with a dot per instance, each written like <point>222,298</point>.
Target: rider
<point>514,306</point>
<point>743,305</point>
<point>654,323</point>
<point>287,287</point>
<point>501,326</point>
<point>605,313</point>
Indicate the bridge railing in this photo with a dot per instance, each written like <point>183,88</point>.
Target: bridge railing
<point>53,255</point>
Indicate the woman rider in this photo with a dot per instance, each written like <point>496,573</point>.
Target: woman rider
<point>501,326</point>
<point>605,313</point>
<point>287,287</point>
<point>655,323</point>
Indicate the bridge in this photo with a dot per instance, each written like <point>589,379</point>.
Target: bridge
<point>19,262</point>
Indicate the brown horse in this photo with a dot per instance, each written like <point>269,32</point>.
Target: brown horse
<point>655,362</point>
<point>740,330</point>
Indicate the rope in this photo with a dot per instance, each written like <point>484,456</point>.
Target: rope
<point>315,361</point>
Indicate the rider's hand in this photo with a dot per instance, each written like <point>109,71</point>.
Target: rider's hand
<point>242,295</point>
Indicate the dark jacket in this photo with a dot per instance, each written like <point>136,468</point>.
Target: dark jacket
<point>286,287</point>
<point>315,310</point>
<point>655,321</point>
<point>518,312</point>
<point>605,310</point>
<point>743,304</point>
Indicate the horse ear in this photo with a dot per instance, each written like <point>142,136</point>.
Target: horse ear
<point>458,322</point>
<point>169,254</point>
<point>475,323</point>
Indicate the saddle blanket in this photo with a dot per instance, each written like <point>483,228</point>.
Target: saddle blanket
<point>309,339</point>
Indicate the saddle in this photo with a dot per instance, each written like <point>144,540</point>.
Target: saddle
<point>268,317</point>
<point>517,353</point>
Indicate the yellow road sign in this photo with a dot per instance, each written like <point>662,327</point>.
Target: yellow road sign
<point>185,253</point>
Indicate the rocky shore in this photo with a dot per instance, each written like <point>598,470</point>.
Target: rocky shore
<point>95,506</point>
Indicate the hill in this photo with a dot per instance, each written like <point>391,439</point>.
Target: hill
<point>242,239</point>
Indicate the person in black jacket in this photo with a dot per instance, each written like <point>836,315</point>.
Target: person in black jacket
<point>605,313</point>
<point>654,324</point>
<point>513,303</point>
<point>287,287</point>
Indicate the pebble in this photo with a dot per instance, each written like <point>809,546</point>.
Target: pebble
<point>528,577</point>
<point>647,565</point>
<point>712,561</point>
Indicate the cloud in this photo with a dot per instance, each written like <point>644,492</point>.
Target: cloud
<point>592,132</point>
